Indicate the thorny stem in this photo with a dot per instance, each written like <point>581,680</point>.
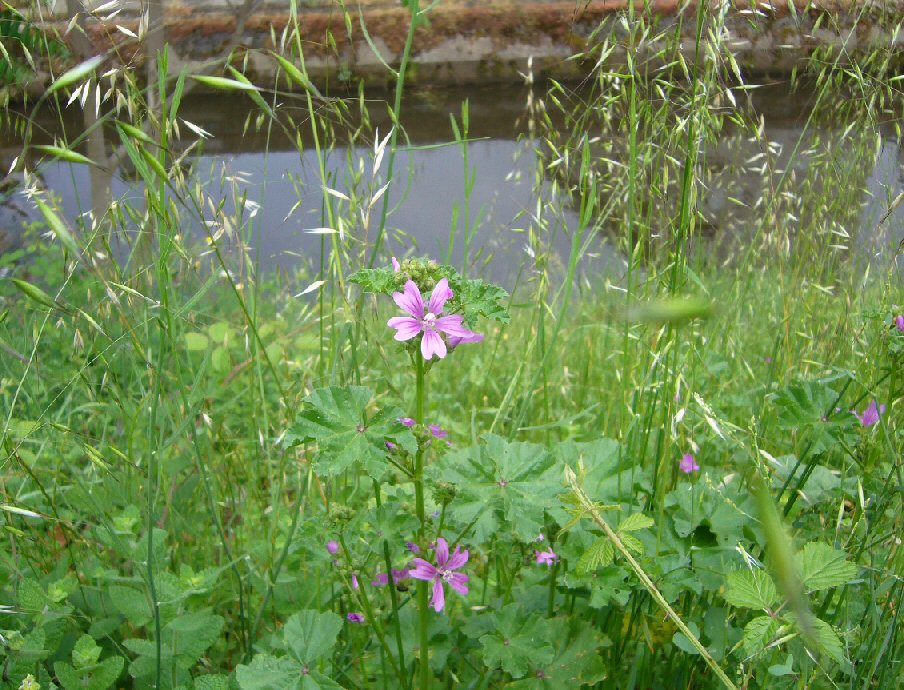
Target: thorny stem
<point>590,509</point>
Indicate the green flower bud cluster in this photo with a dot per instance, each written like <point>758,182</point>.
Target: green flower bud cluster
<point>423,271</point>
<point>444,492</point>
<point>340,515</point>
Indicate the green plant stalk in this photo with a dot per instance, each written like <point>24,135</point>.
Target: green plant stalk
<point>422,604</point>
<point>590,509</point>
<point>394,599</point>
<point>414,6</point>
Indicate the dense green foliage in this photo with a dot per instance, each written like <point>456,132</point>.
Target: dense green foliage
<point>670,479</point>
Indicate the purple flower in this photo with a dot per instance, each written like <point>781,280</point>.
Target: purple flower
<point>688,464</point>
<point>546,557</point>
<point>899,322</point>
<point>455,341</point>
<point>442,572</point>
<point>355,618</point>
<point>383,579</point>
<point>390,445</point>
<point>871,414</point>
<point>412,547</point>
<point>332,546</point>
<point>438,431</point>
<point>540,537</point>
<point>355,581</point>
<point>396,266</point>
<point>428,321</point>
<point>407,421</point>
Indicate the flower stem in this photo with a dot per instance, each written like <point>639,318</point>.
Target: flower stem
<point>422,604</point>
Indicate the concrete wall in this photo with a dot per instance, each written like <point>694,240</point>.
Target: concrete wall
<point>469,41</point>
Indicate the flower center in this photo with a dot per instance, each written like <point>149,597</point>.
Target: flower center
<point>429,321</point>
<point>446,575</point>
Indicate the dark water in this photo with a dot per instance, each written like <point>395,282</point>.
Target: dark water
<point>429,181</point>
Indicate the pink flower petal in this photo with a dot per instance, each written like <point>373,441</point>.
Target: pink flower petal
<point>396,266</point>
<point>459,582</point>
<point>438,297</point>
<point>442,552</point>
<point>410,300</point>
<point>458,559</point>
<point>439,597</point>
<point>422,570</point>
<point>432,344</point>
<point>406,327</point>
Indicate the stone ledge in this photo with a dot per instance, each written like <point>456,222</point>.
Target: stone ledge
<point>469,41</point>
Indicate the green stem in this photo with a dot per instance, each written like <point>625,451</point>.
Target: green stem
<point>422,604</point>
<point>590,509</point>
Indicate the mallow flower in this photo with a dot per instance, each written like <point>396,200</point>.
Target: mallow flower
<point>899,322</point>
<point>428,320</point>
<point>688,464</point>
<point>871,414</point>
<point>547,557</point>
<point>442,572</point>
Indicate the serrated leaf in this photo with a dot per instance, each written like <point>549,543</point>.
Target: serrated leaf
<point>632,543</point>
<point>501,483</point>
<point>828,640</point>
<point>752,589</point>
<point>268,673</point>
<point>600,554</point>
<point>821,566</point>
<point>576,661</point>
<point>516,642</point>
<point>381,281</point>
<point>311,635</point>
<point>336,420</point>
<point>634,522</point>
<point>131,603</point>
<point>758,633</point>
<point>85,652</point>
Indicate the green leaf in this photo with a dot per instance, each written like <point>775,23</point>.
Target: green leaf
<point>632,543</point>
<point>501,483</point>
<point>190,635</point>
<point>822,566</point>
<point>599,555</point>
<point>268,673</point>
<point>634,522</point>
<point>99,676</point>
<point>785,669</point>
<point>758,633</point>
<point>475,298</point>
<point>380,281</point>
<point>196,342</point>
<point>828,640</point>
<point>131,603</point>
<point>752,589</point>
<point>680,640</point>
<point>336,420</point>
<point>516,642</point>
<point>212,682</point>
<point>311,635</point>
<point>804,405</point>
<point>86,652</point>
<point>576,661</point>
